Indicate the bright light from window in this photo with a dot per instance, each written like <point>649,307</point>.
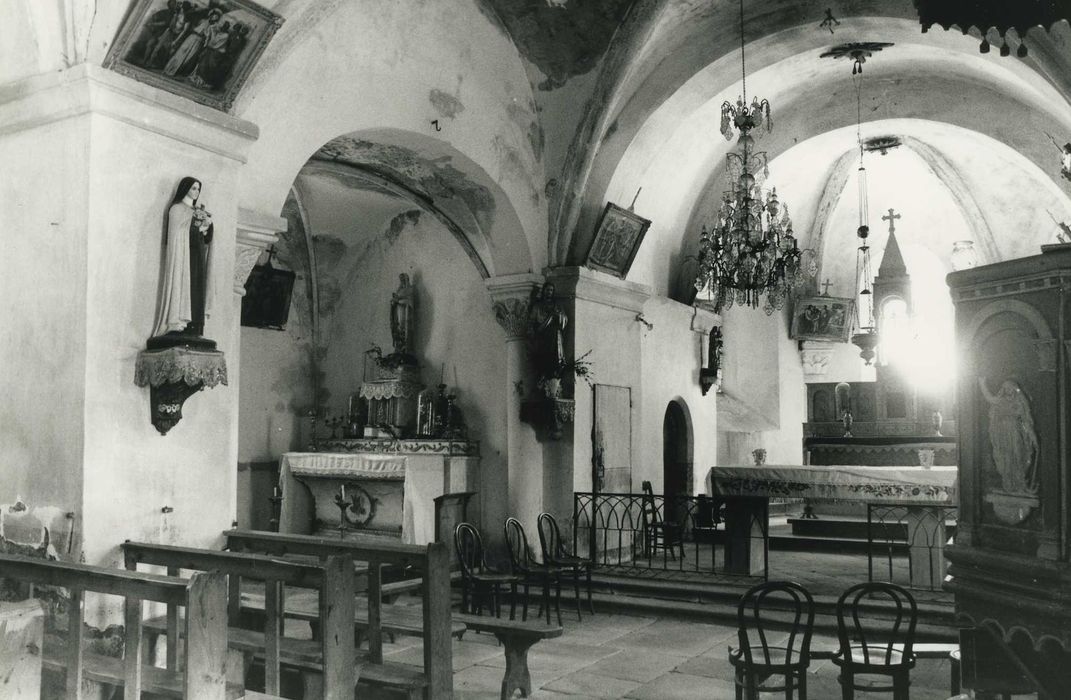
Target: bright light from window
<point>922,345</point>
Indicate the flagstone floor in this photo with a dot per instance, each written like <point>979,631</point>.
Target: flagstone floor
<point>623,656</point>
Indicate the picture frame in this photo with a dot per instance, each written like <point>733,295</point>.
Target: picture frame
<point>823,318</point>
<point>617,240</point>
<point>199,49</point>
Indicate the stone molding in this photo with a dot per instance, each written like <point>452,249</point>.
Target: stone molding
<point>511,298</point>
<point>89,89</point>
<point>815,356</point>
<point>599,288</point>
<point>256,233</point>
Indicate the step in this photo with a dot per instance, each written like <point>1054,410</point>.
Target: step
<point>729,594</point>
<point>928,630</point>
<point>852,528</point>
<point>788,542</point>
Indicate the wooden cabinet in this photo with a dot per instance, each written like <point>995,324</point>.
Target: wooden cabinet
<point>1010,566</point>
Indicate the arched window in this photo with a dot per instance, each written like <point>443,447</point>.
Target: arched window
<point>894,330</point>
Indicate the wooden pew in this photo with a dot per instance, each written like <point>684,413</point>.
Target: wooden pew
<point>204,596</point>
<point>517,638</point>
<point>333,581</point>
<point>432,561</point>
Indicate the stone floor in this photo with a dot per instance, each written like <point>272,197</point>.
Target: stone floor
<point>621,656</point>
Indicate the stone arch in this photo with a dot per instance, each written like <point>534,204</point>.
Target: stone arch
<point>678,449</point>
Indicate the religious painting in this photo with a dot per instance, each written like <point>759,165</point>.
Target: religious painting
<point>823,318</point>
<point>617,239</point>
<point>199,49</point>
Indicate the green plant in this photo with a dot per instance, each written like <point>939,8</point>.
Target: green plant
<point>578,367</point>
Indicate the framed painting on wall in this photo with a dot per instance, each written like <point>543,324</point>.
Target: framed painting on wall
<point>823,318</point>
<point>617,239</point>
<point>199,49</point>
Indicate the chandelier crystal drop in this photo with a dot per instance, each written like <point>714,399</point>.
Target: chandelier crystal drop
<point>749,255</point>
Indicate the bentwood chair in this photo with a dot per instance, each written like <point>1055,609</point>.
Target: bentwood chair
<point>554,552</point>
<point>872,647</point>
<point>529,571</point>
<point>761,616</point>
<point>479,582</point>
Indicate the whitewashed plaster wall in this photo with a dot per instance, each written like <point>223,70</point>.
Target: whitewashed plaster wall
<point>404,65</point>
<point>762,369</point>
<point>91,235</point>
<point>672,354</point>
<point>456,335</point>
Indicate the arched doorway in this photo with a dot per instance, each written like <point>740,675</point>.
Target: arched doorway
<point>676,456</point>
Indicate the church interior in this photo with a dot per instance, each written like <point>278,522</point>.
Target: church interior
<point>390,331</point>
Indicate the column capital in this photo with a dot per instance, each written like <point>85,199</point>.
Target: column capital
<point>256,233</point>
<point>511,297</point>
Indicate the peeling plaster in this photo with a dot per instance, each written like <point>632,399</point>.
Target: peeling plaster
<point>436,178</point>
<point>445,104</point>
<point>560,38</point>
<point>399,223</point>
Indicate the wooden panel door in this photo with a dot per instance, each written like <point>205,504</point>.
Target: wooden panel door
<point>611,435</point>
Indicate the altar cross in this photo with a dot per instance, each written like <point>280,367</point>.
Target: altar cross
<point>825,288</point>
<point>891,218</point>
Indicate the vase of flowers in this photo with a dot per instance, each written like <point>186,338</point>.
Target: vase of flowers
<point>578,367</point>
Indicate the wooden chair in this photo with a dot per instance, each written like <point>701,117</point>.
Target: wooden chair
<point>872,647</point>
<point>658,534</point>
<point>554,552</point>
<point>756,660</point>
<point>529,571</point>
<point>479,582</point>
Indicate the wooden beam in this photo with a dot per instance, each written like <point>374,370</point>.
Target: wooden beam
<point>438,651</point>
<point>206,637</point>
<point>132,614</point>
<point>74,644</point>
<point>336,634</point>
<point>94,578</point>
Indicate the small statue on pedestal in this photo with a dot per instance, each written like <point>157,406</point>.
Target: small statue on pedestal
<point>184,288</point>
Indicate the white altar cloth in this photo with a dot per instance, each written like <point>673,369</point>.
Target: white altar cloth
<point>361,466</point>
<point>838,483</point>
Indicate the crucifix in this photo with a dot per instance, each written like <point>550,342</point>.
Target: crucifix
<point>891,218</point>
<point>825,287</point>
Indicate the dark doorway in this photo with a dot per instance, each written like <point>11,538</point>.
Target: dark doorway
<point>676,458</point>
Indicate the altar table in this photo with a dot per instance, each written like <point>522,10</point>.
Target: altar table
<point>920,489</point>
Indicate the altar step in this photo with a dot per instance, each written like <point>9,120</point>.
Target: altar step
<point>716,603</point>
<point>852,528</point>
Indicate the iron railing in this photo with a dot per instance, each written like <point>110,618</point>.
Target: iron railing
<point>894,530</point>
<point>654,533</point>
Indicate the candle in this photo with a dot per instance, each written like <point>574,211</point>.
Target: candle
<point>343,488</point>
<point>275,491</point>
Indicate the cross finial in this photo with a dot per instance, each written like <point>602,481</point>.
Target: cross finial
<point>825,287</point>
<point>891,218</point>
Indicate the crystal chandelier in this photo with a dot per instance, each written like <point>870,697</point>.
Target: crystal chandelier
<point>866,335</point>
<point>750,252</point>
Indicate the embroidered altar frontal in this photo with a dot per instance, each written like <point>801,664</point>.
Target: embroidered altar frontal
<point>838,483</point>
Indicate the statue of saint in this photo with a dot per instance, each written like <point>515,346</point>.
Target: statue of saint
<point>184,288</point>
<point>1012,437</point>
<point>546,323</point>
<point>403,316</point>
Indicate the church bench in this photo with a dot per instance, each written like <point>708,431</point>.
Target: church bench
<point>405,620</point>
<point>333,581</point>
<point>431,561</point>
<point>204,596</point>
<point>517,638</point>
<point>305,656</point>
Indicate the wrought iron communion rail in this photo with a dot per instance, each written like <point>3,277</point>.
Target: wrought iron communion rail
<point>654,534</point>
<point>893,529</point>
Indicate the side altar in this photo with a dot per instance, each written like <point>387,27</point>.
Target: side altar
<point>385,487</point>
